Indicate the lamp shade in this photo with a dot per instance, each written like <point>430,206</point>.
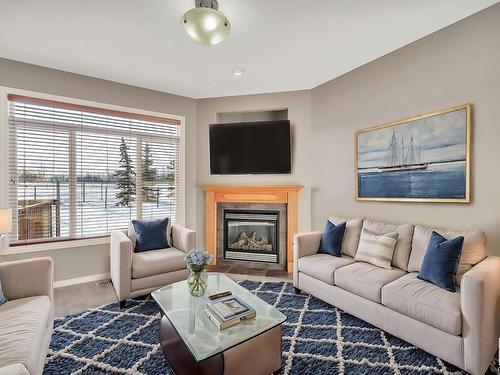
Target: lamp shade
<point>5,220</point>
<point>206,25</point>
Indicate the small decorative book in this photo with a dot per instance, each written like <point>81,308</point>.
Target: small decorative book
<point>229,311</point>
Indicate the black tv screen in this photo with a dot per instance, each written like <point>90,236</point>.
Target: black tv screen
<point>250,148</point>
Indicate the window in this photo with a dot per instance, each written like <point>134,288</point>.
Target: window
<point>77,171</point>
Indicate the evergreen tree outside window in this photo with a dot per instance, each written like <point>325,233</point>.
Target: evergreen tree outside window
<point>149,175</point>
<point>126,178</point>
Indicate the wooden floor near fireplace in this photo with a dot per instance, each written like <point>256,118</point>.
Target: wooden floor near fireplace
<point>241,269</point>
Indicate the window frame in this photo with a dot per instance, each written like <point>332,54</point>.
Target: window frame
<point>5,156</point>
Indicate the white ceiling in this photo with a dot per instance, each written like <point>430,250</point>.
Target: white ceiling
<point>281,44</point>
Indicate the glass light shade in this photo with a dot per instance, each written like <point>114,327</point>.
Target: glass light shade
<point>206,26</point>
<point>5,220</point>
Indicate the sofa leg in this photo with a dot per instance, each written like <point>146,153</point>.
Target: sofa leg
<point>297,290</point>
<point>122,304</point>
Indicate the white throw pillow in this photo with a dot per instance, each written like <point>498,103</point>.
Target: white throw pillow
<point>376,249</point>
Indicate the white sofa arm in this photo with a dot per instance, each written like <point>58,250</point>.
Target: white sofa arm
<point>183,238</point>
<point>480,303</point>
<point>28,278</point>
<point>304,244</point>
<point>121,264</point>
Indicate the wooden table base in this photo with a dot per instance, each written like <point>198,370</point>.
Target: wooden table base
<point>260,355</point>
<point>180,358</point>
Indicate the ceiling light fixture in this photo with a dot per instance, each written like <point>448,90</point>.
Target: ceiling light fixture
<point>205,24</point>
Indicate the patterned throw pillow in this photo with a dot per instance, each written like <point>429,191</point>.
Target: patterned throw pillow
<point>376,249</point>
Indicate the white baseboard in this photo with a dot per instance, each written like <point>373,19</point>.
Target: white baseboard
<point>82,280</point>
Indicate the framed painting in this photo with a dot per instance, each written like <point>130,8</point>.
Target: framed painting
<point>424,158</point>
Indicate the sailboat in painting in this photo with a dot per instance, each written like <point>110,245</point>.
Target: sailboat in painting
<point>400,159</point>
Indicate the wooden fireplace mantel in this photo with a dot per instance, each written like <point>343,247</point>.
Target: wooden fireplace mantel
<point>270,194</point>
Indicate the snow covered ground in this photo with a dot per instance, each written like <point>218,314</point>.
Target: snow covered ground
<point>97,207</point>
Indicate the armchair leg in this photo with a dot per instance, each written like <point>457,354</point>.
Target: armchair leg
<point>297,290</point>
<point>122,304</point>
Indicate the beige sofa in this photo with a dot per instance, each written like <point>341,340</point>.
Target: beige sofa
<point>136,274</point>
<point>27,317</point>
<point>461,328</point>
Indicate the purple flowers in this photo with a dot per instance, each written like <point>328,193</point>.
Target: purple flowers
<point>197,259</point>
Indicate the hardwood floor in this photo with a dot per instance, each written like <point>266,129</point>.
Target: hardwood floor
<point>76,298</point>
<point>242,269</point>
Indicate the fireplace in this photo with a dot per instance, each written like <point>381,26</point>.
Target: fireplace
<point>251,235</point>
<point>281,198</point>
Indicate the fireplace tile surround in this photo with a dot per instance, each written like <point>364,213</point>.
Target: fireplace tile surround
<point>266,197</point>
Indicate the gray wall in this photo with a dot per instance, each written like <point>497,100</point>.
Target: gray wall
<point>456,65</point>
<point>298,104</point>
<point>92,260</point>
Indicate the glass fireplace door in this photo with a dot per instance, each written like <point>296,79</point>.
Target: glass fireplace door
<point>251,235</point>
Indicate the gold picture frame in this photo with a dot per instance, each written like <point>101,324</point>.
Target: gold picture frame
<point>414,178</point>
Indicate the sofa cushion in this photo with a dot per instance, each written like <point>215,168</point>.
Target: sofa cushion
<point>376,249</point>
<point>425,302</point>
<point>473,249</point>
<point>331,239</point>
<point>14,369</point>
<point>322,266</point>
<point>403,246</point>
<point>365,280</point>
<point>351,235</point>
<point>155,262</point>
<point>23,326</point>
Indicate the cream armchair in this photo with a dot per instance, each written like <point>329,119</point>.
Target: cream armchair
<point>137,274</point>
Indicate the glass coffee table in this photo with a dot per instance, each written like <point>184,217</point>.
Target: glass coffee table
<point>192,344</point>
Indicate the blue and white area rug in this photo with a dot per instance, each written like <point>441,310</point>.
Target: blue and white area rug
<point>317,339</point>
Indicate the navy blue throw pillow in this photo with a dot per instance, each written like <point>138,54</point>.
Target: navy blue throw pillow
<point>331,240</point>
<point>441,261</point>
<point>3,299</point>
<point>150,234</point>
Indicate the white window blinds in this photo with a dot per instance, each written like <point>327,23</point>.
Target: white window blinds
<point>77,171</point>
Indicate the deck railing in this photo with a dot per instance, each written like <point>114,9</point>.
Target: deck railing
<point>38,218</point>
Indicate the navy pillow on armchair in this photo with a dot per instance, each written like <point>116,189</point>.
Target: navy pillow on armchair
<point>331,239</point>
<point>441,259</point>
<point>150,234</point>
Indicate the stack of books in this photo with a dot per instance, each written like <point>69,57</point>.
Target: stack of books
<point>228,311</point>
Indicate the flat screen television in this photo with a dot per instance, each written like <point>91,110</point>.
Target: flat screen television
<point>250,148</point>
